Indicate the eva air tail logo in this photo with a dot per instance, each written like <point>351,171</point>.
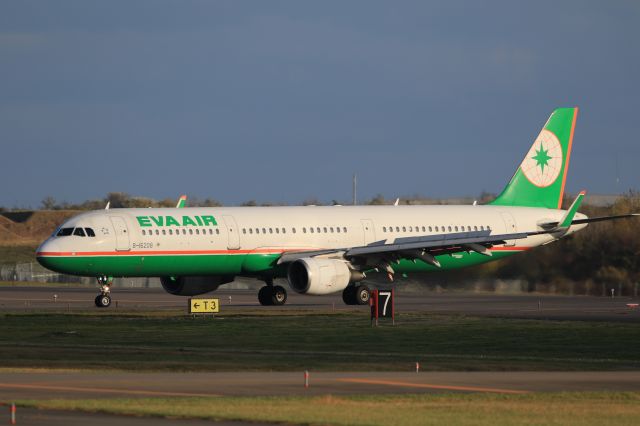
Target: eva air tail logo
<point>543,162</point>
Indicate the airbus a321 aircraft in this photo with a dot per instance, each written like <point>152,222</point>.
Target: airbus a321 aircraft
<point>322,250</point>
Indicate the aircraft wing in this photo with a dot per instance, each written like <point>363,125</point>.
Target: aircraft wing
<point>384,252</point>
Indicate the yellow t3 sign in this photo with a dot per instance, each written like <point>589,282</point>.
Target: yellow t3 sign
<point>204,306</point>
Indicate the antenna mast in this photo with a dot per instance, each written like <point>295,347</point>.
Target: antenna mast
<point>355,189</point>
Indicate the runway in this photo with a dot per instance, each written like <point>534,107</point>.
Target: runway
<point>46,384</point>
<point>583,308</point>
<point>109,384</point>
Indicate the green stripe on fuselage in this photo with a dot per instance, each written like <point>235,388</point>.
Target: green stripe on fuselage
<point>222,264</point>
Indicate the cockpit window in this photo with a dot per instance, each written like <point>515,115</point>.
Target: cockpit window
<point>79,232</point>
<point>90,232</point>
<point>65,232</point>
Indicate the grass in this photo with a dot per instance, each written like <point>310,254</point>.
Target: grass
<point>19,253</point>
<point>599,409</point>
<point>289,340</point>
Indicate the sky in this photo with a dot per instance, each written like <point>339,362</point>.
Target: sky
<point>284,101</point>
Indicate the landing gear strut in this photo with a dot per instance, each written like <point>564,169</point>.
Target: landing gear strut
<point>356,295</point>
<point>271,295</point>
<point>103,300</point>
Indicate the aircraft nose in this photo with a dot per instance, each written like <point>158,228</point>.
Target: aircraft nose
<point>48,255</point>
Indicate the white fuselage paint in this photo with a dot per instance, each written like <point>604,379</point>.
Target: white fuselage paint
<point>288,228</point>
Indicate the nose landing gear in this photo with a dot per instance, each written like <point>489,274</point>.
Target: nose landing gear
<point>103,300</point>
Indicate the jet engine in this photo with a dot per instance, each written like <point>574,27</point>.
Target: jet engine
<point>193,285</point>
<point>320,276</point>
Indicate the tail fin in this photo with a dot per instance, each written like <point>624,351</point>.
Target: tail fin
<point>540,179</point>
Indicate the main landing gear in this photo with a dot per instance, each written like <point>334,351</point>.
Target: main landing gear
<point>103,300</point>
<point>356,295</point>
<point>271,295</point>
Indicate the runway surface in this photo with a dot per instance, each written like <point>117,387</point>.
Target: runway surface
<point>38,384</point>
<point>109,384</point>
<point>512,306</point>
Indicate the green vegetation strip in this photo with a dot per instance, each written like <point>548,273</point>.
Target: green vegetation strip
<point>286,341</point>
<point>423,409</point>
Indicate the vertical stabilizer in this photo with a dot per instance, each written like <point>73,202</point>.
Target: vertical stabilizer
<point>540,178</point>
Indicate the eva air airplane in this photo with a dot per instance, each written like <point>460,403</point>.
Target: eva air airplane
<point>322,250</point>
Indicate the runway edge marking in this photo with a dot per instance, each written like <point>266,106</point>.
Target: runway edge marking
<point>103,390</point>
<point>430,386</point>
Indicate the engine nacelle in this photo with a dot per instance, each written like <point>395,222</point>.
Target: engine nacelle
<point>319,276</point>
<point>193,285</point>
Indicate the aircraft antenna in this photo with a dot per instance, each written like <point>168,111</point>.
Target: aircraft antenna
<point>355,189</point>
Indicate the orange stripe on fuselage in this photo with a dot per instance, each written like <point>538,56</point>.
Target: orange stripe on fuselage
<point>202,252</point>
<point>161,252</point>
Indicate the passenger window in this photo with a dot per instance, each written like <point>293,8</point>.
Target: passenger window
<point>424,229</point>
<point>277,230</point>
<point>468,228</point>
<point>318,229</point>
<point>338,229</point>
<point>324,229</point>
<point>304,230</point>
<point>210,231</point>
<point>144,232</point>
<point>170,232</point>
<point>190,231</point>
<point>481,228</point>
<point>90,232</point>
<point>217,231</point>
<point>311,230</point>
<point>79,232</point>
<point>257,230</point>
<point>164,232</point>
<point>475,228</point>
<point>251,230</point>
<point>331,229</point>
<point>411,229</point>
<point>384,229</point>
<point>449,228</point>
<point>293,230</point>
<point>264,230</point>
<point>456,228</point>
<point>284,230</point>
<point>244,230</point>
<point>397,229</point>
<point>404,229</point>
<point>271,230</point>
<point>157,232</point>
<point>344,228</point>
<point>65,232</point>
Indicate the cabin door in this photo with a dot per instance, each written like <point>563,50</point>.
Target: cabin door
<point>369,233</point>
<point>233,235</point>
<point>122,233</point>
<point>510,227</point>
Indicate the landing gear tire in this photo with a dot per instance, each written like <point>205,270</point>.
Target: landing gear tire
<point>362,295</point>
<point>356,295</point>
<point>278,296</point>
<point>349,295</point>
<point>264,296</point>
<point>103,301</point>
